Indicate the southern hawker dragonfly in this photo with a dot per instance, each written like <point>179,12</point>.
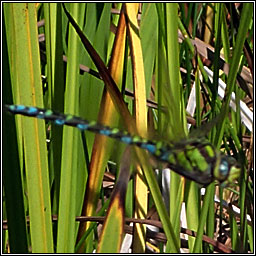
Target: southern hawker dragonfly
<point>195,159</point>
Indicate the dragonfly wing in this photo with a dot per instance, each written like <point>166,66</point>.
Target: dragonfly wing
<point>204,129</point>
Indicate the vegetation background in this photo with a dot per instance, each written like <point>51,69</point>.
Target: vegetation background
<point>146,68</point>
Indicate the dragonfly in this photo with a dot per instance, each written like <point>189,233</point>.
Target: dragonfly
<point>194,158</point>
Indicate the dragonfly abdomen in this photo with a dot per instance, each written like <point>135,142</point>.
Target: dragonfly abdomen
<point>84,125</point>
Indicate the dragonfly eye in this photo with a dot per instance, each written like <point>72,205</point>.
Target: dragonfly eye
<point>224,168</point>
<point>228,170</point>
<point>221,171</point>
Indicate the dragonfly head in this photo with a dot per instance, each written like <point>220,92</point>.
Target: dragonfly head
<point>227,171</point>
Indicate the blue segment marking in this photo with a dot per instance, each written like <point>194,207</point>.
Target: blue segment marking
<point>105,132</point>
<point>32,110</point>
<point>151,148</point>
<point>126,139</point>
<point>82,126</point>
<point>165,156</point>
<point>18,107</point>
<point>59,121</point>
